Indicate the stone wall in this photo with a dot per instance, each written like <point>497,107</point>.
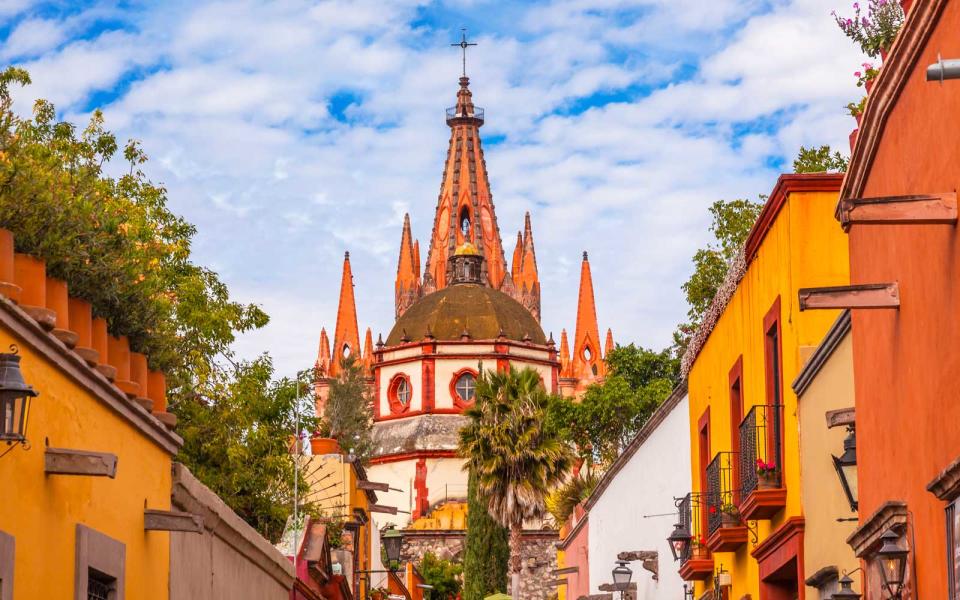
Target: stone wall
<point>539,557</point>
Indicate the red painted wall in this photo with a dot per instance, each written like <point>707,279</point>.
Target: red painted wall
<point>906,362</point>
<point>576,555</point>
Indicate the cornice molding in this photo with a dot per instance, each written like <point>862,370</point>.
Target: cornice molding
<point>837,332</point>
<point>867,535</point>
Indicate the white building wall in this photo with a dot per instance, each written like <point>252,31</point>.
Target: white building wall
<point>646,485</point>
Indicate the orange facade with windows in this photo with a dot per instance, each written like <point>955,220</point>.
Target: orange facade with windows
<point>906,359</point>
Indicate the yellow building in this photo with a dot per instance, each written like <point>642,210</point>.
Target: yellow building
<point>745,508</point>
<point>339,488</point>
<point>82,497</point>
<point>826,402</point>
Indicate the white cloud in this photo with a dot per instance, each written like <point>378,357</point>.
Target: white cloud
<point>232,99</point>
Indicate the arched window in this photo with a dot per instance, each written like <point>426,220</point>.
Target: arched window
<point>587,353</point>
<point>399,393</point>
<point>466,230</point>
<point>346,351</point>
<point>463,387</point>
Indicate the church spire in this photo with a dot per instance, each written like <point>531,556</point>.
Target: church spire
<point>465,210</point>
<point>368,354</point>
<point>587,363</point>
<point>407,287</point>
<point>608,345</point>
<point>346,337</point>
<point>322,365</point>
<point>517,262</point>
<point>528,285</point>
<point>565,370</point>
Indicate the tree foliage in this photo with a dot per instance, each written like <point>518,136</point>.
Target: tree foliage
<point>237,436</point>
<point>611,413</point>
<point>116,244</point>
<point>348,414</point>
<point>819,160</point>
<point>516,456</point>
<point>486,550</point>
<point>444,575</point>
<point>575,490</point>
<point>731,224</point>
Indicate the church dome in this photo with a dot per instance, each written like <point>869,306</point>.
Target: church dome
<point>481,311</point>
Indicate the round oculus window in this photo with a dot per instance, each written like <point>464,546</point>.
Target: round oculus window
<point>466,387</point>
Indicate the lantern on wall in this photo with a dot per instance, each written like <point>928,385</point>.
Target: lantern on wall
<point>679,541</point>
<point>15,397</point>
<point>846,590</point>
<point>392,540</point>
<point>893,562</point>
<point>846,466</point>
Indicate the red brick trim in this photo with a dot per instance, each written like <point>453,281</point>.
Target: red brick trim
<point>397,407</point>
<point>416,454</point>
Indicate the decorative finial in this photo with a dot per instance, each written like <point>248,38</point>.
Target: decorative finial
<point>346,255</point>
<point>501,335</point>
<point>584,255</point>
<point>405,338</point>
<point>550,341</point>
<point>465,334</point>
<point>464,44</point>
<point>429,334</point>
<point>380,343</point>
<point>526,337</point>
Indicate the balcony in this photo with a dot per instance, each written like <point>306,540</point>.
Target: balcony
<point>726,531</point>
<point>762,490</point>
<point>697,564</point>
<point>473,113</point>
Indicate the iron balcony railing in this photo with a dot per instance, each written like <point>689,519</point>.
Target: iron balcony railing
<point>689,509</point>
<point>467,112</point>
<point>761,440</point>
<point>722,494</point>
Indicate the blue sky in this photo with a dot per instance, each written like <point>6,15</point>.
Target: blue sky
<point>289,132</point>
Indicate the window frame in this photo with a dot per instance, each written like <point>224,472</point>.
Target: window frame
<point>7,557</point>
<point>102,554</point>
<point>458,400</point>
<point>396,406</point>
<point>773,380</point>
<point>735,388</point>
<point>951,514</point>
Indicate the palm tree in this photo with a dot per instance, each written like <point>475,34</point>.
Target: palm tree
<point>517,460</point>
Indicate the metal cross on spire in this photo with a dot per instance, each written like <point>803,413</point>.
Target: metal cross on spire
<point>464,44</point>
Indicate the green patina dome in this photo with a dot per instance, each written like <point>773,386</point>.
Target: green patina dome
<point>482,311</point>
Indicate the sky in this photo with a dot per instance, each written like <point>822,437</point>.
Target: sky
<point>291,131</point>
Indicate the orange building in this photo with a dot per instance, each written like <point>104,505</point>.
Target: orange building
<point>898,205</point>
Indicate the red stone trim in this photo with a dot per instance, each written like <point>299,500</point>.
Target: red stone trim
<point>427,384</point>
<point>397,407</point>
<point>727,539</point>
<point>416,454</point>
<point>457,400</point>
<point>763,504</point>
<point>418,413</point>
<point>499,356</point>
<point>894,76</point>
<point>785,534</point>
<point>946,485</point>
<point>696,569</point>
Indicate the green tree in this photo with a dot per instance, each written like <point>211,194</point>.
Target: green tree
<point>444,575</point>
<point>348,414</point>
<point>610,414</point>
<point>486,550</point>
<point>819,160</point>
<point>516,456</point>
<point>732,221</point>
<point>237,433</point>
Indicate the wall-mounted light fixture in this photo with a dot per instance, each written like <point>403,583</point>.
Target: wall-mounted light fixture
<point>15,397</point>
<point>846,466</point>
<point>846,589</point>
<point>679,541</point>
<point>944,69</point>
<point>621,577</point>
<point>392,541</point>
<point>893,562</point>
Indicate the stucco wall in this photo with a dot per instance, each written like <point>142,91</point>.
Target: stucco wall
<point>786,260</point>
<point>646,485</point>
<point>906,361</point>
<point>823,498</point>
<point>42,512</point>
<point>229,559</point>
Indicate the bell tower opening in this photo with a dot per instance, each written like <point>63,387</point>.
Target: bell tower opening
<point>466,224</point>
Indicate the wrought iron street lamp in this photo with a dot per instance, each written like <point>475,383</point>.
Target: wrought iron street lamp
<point>893,562</point>
<point>15,397</point>
<point>392,540</point>
<point>621,577</point>
<point>687,592</point>
<point>846,467</point>
<point>679,541</point>
<point>846,590</point>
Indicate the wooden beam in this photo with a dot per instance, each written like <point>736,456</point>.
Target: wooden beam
<point>920,209</point>
<point>172,520</point>
<point>870,295</point>
<point>557,582</point>
<point>379,508</point>
<point>841,417</point>
<point>566,570</point>
<point>65,461</point>
<point>373,486</point>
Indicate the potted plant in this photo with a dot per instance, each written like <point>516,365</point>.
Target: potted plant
<point>698,547</point>
<point>866,77</point>
<point>729,514</point>
<point>378,594</point>
<point>856,108</point>
<point>876,30</point>
<point>767,475</point>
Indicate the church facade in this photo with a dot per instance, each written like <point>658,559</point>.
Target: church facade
<point>463,309</point>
